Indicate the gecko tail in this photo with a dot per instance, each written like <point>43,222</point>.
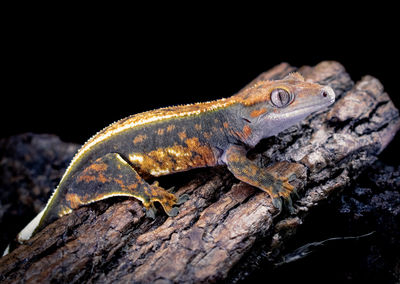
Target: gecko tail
<point>26,232</point>
<point>6,251</point>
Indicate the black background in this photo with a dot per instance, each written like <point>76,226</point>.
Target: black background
<point>71,71</point>
<point>73,74</point>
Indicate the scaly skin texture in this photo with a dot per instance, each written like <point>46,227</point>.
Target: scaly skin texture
<point>118,160</point>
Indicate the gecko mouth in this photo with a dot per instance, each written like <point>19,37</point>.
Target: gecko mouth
<point>299,113</point>
<point>312,108</point>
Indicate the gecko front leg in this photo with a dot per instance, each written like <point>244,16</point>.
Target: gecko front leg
<point>268,179</point>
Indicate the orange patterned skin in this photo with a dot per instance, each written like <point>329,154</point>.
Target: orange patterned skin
<point>119,159</point>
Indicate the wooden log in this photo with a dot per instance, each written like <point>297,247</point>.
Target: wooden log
<point>219,228</point>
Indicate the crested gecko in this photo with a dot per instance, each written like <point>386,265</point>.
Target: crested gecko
<point>119,159</point>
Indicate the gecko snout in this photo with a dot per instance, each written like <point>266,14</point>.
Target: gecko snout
<point>328,94</point>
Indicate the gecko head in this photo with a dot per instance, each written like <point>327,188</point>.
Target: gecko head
<point>270,107</point>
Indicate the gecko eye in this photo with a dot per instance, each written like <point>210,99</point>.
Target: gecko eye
<point>280,98</point>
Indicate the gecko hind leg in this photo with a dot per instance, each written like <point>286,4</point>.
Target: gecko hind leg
<point>108,176</point>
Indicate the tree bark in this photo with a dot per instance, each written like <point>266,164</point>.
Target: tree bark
<point>224,221</point>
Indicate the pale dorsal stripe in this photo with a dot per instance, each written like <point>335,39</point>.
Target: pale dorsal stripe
<point>148,117</point>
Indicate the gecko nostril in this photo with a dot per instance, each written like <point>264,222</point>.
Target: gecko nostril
<point>328,93</point>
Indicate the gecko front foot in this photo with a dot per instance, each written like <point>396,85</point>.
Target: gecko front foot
<point>282,190</point>
<point>274,180</point>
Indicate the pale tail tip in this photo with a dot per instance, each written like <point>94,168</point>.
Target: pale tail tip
<point>27,232</point>
<point>7,250</point>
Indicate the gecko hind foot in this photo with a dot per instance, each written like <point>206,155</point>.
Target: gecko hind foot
<point>151,212</point>
<point>174,211</point>
<point>166,198</point>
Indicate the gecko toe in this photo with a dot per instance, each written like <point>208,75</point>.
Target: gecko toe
<point>182,199</point>
<point>171,189</point>
<point>151,212</point>
<point>289,205</point>
<point>173,212</point>
<point>295,193</point>
<point>277,202</point>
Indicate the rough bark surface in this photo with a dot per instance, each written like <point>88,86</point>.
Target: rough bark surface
<point>220,228</point>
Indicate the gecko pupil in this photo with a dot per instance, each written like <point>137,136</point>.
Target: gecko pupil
<point>282,97</point>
